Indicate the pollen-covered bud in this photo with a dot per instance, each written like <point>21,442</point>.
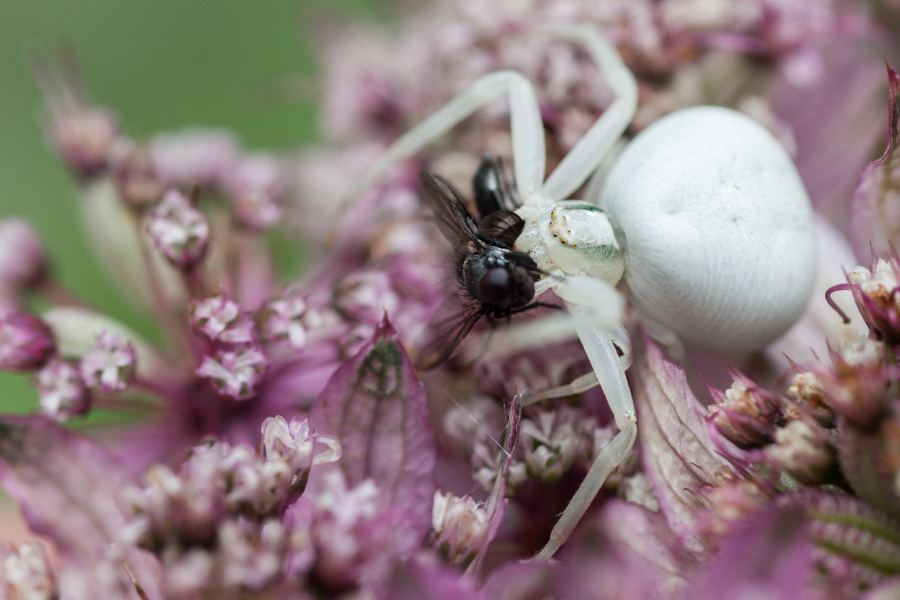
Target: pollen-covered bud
<point>804,450</point>
<point>255,185</point>
<point>135,175</point>
<point>459,527</point>
<point>222,320</point>
<point>285,320</point>
<point>180,231</point>
<point>26,342</point>
<point>23,262</point>
<point>26,574</point>
<point>109,365</point>
<point>61,390</point>
<point>84,136</point>
<point>745,414</point>
<point>235,373</point>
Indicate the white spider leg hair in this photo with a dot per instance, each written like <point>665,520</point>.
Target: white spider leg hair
<point>591,149</point>
<point>527,129</point>
<point>611,375</point>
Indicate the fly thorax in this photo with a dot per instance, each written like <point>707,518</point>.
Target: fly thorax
<point>579,239</point>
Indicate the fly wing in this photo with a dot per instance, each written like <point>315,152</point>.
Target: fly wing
<point>503,226</point>
<point>450,324</point>
<point>453,219</point>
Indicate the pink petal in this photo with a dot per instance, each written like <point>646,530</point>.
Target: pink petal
<point>875,210</point>
<point>376,407</point>
<point>68,487</point>
<point>679,456</point>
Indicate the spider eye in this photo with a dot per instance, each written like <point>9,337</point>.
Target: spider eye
<point>506,287</point>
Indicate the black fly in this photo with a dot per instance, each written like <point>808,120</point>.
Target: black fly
<point>494,280</point>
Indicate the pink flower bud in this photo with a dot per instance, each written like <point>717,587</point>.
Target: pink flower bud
<point>109,366</point>
<point>194,157</point>
<point>62,391</point>
<point>222,320</point>
<point>255,186</point>
<point>803,449</point>
<point>180,231</point>
<point>84,136</point>
<point>135,176</point>
<point>23,261</point>
<point>235,373</point>
<point>26,342</point>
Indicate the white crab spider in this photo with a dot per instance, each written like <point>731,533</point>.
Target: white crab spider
<point>703,217</point>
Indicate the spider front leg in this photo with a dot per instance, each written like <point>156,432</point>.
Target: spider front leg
<point>529,157</point>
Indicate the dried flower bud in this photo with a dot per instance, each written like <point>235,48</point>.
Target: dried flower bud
<point>459,526</point>
<point>84,136</point>
<point>61,390</point>
<point>180,231</point>
<point>745,414</point>
<point>235,373</point>
<point>804,450</point>
<point>135,175</point>
<point>26,574</point>
<point>26,342</point>
<point>222,320</point>
<point>255,185</point>
<point>109,365</point>
<point>807,388</point>
<point>284,320</point>
<point>23,262</point>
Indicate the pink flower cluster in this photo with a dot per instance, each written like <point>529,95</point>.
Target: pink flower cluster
<point>279,442</point>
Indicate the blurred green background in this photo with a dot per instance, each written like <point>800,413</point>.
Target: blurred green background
<point>160,65</point>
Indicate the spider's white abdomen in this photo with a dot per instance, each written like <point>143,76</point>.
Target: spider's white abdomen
<point>716,229</point>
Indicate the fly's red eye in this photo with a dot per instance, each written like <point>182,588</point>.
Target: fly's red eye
<point>494,286</point>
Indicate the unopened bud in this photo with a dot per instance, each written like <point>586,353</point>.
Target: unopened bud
<point>23,262</point>
<point>180,231</point>
<point>255,186</point>
<point>26,342</point>
<point>135,175</point>
<point>84,137</point>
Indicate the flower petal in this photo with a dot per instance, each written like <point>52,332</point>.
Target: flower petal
<point>376,407</point>
<point>678,454</point>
